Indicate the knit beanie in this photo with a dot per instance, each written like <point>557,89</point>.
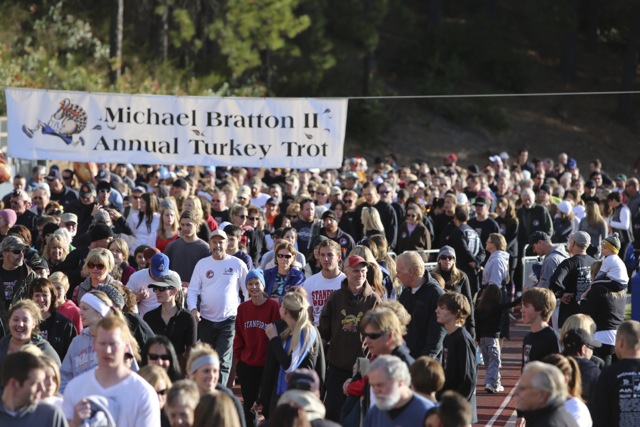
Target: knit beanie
<point>447,250</point>
<point>100,231</point>
<point>612,243</point>
<point>9,215</point>
<point>255,274</point>
<point>114,295</point>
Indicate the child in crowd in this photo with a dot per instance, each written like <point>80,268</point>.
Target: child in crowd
<point>537,306</point>
<point>182,400</point>
<point>488,315</point>
<point>234,234</point>
<point>139,258</point>
<point>458,347</point>
<point>613,268</point>
<point>427,377</point>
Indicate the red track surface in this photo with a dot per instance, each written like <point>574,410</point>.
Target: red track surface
<point>499,409</point>
<point>494,409</point>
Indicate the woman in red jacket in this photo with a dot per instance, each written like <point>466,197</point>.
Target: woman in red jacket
<point>250,342</point>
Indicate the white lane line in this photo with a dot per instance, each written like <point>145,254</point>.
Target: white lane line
<point>504,404</point>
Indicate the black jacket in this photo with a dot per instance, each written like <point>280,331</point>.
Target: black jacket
<point>606,305</point>
<point>59,331</point>
<point>590,373</point>
<point>424,334</point>
<point>275,356</point>
<point>387,217</point>
<point>181,329</point>
<point>537,218</point>
<point>553,415</point>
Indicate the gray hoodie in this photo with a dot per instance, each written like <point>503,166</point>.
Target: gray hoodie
<point>551,261</point>
<point>80,358</point>
<point>497,269</point>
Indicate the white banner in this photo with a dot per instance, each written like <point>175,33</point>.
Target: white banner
<point>150,129</point>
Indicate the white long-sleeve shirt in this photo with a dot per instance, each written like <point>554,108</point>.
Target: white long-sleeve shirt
<point>625,220</point>
<point>218,283</point>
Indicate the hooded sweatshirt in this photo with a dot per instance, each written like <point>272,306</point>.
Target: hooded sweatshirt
<point>80,358</point>
<point>340,323</point>
<point>497,269</point>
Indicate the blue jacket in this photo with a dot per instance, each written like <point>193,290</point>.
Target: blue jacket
<point>295,277</point>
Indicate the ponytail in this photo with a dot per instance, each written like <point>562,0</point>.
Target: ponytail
<point>298,307</point>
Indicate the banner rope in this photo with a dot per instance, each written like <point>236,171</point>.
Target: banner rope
<point>391,97</point>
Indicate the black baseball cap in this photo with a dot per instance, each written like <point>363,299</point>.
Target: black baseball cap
<point>536,236</point>
<point>574,339</point>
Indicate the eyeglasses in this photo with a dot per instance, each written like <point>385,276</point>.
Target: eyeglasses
<point>152,356</point>
<point>373,335</point>
<point>287,256</point>
<point>161,392</point>
<point>253,218</point>
<point>447,257</point>
<point>18,251</point>
<point>91,265</point>
<point>347,201</point>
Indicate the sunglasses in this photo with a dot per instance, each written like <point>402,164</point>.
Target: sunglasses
<point>242,216</point>
<point>91,265</point>
<point>385,192</point>
<point>347,201</point>
<point>287,256</point>
<point>55,212</point>
<point>292,216</point>
<point>152,356</point>
<point>67,178</point>
<point>447,257</point>
<point>373,335</point>
<point>157,288</point>
<point>162,392</point>
<point>17,251</point>
<point>253,218</point>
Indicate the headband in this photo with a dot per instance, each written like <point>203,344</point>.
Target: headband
<point>207,359</point>
<point>96,303</point>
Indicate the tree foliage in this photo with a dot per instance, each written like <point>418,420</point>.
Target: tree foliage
<point>322,48</point>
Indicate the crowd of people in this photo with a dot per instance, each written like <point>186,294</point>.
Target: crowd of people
<point>362,296</point>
